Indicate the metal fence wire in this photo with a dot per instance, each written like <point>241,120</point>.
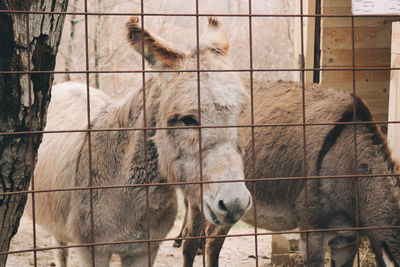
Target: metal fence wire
<point>253,182</point>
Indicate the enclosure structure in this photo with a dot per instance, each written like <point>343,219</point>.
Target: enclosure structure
<point>354,55</point>
<point>329,46</point>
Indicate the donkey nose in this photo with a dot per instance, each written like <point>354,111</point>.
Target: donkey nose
<point>232,209</point>
<point>222,205</point>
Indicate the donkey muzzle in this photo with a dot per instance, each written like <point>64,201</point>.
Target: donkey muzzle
<point>231,202</point>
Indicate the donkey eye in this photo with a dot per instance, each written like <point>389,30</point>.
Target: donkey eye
<point>190,121</point>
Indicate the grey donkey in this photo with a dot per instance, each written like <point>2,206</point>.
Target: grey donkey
<point>330,151</point>
<point>118,157</point>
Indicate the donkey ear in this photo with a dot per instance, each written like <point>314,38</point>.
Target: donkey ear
<point>217,36</point>
<point>156,51</point>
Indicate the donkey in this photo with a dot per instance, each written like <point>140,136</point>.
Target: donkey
<point>330,151</point>
<point>118,158</point>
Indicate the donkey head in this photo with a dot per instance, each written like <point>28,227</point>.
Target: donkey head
<point>222,97</point>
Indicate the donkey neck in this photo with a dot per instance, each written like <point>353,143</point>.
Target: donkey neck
<point>128,112</point>
<point>123,151</point>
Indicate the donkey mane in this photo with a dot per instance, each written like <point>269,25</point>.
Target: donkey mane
<point>362,114</point>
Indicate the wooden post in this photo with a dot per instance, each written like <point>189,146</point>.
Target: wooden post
<point>309,37</point>
<point>285,251</point>
<point>394,95</point>
<point>309,55</point>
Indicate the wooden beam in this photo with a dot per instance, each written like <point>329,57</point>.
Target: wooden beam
<point>338,3</point>
<point>285,251</point>
<point>374,93</point>
<point>309,56</point>
<point>364,37</point>
<point>334,22</point>
<point>394,95</point>
<point>376,57</point>
<point>336,10</point>
<point>372,41</point>
<point>309,39</point>
<point>361,76</point>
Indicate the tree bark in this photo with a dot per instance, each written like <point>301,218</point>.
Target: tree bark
<point>68,58</point>
<point>97,6</point>
<point>41,44</point>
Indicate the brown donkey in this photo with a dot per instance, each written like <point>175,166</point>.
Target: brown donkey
<point>118,156</point>
<point>330,151</point>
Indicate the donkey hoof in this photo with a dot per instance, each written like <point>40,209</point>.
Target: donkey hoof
<point>177,243</point>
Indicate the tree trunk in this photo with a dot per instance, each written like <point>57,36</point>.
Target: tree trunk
<point>16,162</point>
<point>68,58</point>
<point>97,8</point>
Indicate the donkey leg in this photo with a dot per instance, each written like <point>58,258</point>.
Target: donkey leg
<point>214,245</point>
<point>61,255</point>
<point>314,253</point>
<point>136,261</point>
<point>343,256</point>
<point>139,260</point>
<point>381,209</point>
<point>192,229</point>
<point>385,244</point>
<point>102,258</point>
<point>178,240</point>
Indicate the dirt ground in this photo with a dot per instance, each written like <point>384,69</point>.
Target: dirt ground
<point>237,251</point>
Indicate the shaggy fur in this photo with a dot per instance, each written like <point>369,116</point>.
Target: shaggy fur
<point>118,157</point>
<point>330,152</point>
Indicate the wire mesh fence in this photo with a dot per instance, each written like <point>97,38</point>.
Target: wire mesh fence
<point>314,159</point>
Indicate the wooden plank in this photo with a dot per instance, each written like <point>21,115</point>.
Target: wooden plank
<point>296,45</point>
<point>309,37</point>
<point>395,44</point>
<point>394,96</point>
<point>372,49</point>
<point>282,253</point>
<point>328,22</point>
<point>377,57</point>
<point>347,76</point>
<point>309,56</point>
<point>336,3</point>
<point>375,94</point>
<point>364,37</point>
<point>336,10</point>
<point>375,90</point>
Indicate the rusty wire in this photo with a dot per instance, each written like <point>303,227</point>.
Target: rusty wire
<point>146,165</point>
<point>203,237</point>
<point>208,70</point>
<point>149,14</point>
<point>87,66</point>
<point>356,184</point>
<point>253,153</point>
<point>28,52</point>
<point>203,127</point>
<point>303,101</point>
<point>147,128</point>
<point>203,225</point>
<point>249,180</point>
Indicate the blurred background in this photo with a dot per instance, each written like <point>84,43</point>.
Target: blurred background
<point>273,41</point>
